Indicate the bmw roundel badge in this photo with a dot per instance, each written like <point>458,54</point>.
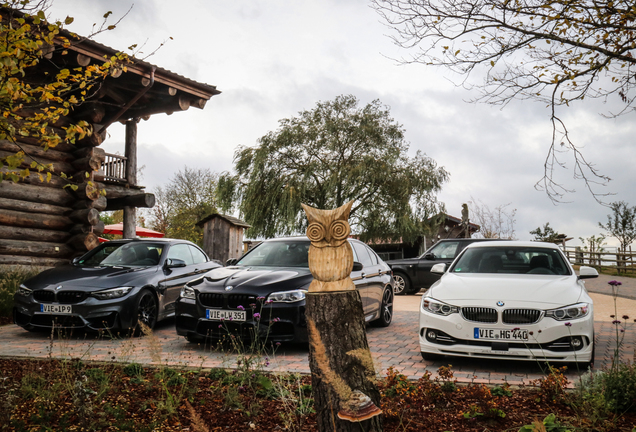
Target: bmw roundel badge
<point>229,288</point>
<point>500,303</point>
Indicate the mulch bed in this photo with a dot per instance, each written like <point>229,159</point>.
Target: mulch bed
<point>73,395</point>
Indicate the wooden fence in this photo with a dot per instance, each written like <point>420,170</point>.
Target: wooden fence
<point>621,262</point>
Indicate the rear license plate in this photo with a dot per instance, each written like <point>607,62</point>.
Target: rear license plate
<point>56,309</point>
<point>501,334</point>
<point>220,315</point>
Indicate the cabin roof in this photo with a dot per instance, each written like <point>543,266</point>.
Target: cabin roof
<point>231,219</point>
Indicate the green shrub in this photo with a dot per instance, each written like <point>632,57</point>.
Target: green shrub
<point>133,370</point>
<point>620,388</point>
<point>10,280</point>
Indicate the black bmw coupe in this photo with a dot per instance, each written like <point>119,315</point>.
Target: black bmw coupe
<point>263,293</point>
<point>112,286</point>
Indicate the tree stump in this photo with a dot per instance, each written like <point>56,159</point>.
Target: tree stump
<point>339,358</point>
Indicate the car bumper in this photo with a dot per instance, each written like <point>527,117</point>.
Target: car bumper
<point>277,323</point>
<point>90,314</point>
<point>548,339</point>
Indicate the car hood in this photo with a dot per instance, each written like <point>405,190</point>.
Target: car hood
<point>481,289</point>
<point>89,278</point>
<point>257,280</point>
<point>404,261</point>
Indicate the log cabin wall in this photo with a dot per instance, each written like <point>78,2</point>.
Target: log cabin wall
<point>48,223</point>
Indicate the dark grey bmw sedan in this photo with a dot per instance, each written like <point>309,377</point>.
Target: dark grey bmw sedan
<point>111,287</point>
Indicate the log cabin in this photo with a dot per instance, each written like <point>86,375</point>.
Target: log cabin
<point>46,224</point>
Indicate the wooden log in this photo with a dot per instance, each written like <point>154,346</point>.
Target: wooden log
<point>83,60</point>
<point>116,72</point>
<point>93,140</point>
<point>37,234</point>
<point>92,112</point>
<point>89,190</point>
<point>145,200</point>
<point>33,193</point>
<point>89,163</point>
<point>32,261</point>
<point>338,319</point>
<point>35,248</point>
<point>32,207</point>
<point>99,204</point>
<point>37,151</point>
<point>56,166</point>
<point>89,216</point>
<point>61,147</point>
<point>116,191</point>
<point>96,229</point>
<point>34,220</point>
<point>83,241</point>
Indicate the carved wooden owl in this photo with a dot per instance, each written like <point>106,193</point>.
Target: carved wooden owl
<point>330,255</point>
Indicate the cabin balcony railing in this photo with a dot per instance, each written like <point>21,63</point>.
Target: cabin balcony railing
<point>114,168</point>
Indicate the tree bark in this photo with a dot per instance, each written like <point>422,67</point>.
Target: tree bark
<point>115,191</point>
<point>88,190</point>
<point>339,321</point>
<point>99,204</point>
<point>89,216</point>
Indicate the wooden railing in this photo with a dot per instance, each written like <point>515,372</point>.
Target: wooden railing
<point>622,262</point>
<point>114,168</point>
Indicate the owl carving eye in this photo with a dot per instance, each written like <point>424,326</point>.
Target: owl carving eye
<point>339,230</point>
<point>316,232</point>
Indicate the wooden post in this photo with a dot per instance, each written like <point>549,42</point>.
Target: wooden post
<point>342,372</point>
<point>130,213</point>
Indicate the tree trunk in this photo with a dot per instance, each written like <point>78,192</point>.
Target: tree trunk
<point>339,358</point>
<point>145,200</point>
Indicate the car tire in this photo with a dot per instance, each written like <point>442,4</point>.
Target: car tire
<point>147,310</point>
<point>386,309</point>
<point>401,284</point>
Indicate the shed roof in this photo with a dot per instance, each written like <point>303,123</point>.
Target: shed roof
<point>230,219</point>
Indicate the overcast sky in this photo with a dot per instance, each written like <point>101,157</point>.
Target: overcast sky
<point>272,59</point>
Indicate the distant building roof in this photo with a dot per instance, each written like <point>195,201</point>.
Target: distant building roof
<point>230,219</point>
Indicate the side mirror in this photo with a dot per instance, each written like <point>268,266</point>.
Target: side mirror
<point>75,260</point>
<point>586,272</point>
<point>439,268</point>
<point>174,262</point>
<point>231,261</point>
<point>429,256</point>
<point>357,266</point>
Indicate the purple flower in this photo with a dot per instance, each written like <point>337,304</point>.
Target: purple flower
<point>568,324</point>
<point>516,328</point>
<point>531,333</point>
<point>277,343</point>
<point>614,283</point>
<point>239,307</point>
<point>622,331</point>
<point>252,305</point>
<point>269,301</point>
<point>276,320</point>
<point>220,325</point>
<point>257,316</point>
<point>229,318</point>
<point>616,322</point>
<point>260,298</point>
<point>625,317</point>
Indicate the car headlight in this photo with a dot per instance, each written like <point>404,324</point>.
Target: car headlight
<point>24,291</point>
<point>569,312</point>
<point>438,307</point>
<point>187,292</point>
<point>112,293</point>
<point>287,296</point>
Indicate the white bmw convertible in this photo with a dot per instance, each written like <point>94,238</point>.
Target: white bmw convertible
<point>509,300</point>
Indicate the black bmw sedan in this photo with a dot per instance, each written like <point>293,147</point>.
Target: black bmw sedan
<point>263,293</point>
<point>112,286</point>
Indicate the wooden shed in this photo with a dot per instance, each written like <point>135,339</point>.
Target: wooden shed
<point>222,236</point>
<point>45,223</point>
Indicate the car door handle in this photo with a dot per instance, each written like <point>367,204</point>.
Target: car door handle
<point>362,275</point>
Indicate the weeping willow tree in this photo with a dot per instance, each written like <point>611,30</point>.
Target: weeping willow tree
<point>335,153</point>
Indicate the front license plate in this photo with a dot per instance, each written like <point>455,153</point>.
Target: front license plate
<point>219,315</point>
<point>56,309</point>
<point>501,334</point>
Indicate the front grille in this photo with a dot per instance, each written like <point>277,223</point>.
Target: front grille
<point>44,296</point>
<point>70,297</point>
<point>229,301</point>
<point>521,316</point>
<point>212,300</point>
<point>479,314</point>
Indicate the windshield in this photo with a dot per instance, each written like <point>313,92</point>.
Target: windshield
<point>443,250</point>
<point>529,260</point>
<point>124,255</point>
<point>291,253</point>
